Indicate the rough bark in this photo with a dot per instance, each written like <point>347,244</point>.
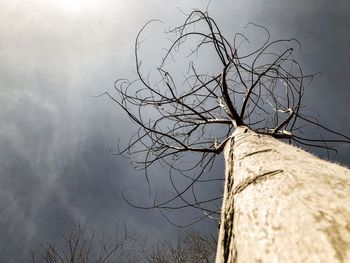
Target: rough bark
<point>282,204</point>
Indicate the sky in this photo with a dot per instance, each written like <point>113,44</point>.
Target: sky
<point>55,134</point>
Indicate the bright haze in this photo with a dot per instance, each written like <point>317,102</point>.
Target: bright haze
<point>56,166</point>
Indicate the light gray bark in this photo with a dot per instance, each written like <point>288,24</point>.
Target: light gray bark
<point>282,204</point>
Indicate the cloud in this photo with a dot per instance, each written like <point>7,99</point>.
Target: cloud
<point>55,164</point>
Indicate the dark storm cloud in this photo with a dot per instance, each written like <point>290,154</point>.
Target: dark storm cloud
<point>55,161</point>
<point>55,164</point>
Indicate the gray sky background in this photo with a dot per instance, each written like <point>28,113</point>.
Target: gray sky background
<point>55,164</point>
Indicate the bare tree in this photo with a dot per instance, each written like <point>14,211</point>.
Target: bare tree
<point>192,247</point>
<point>82,246</point>
<point>251,97</point>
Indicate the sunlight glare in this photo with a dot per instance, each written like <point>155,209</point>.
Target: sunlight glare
<point>76,6</point>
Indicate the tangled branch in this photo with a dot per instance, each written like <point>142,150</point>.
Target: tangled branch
<point>196,111</point>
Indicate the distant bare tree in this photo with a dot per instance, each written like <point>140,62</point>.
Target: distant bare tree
<point>82,246</point>
<point>231,93</point>
<point>192,247</point>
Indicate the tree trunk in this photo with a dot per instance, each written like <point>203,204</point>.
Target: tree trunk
<point>282,204</point>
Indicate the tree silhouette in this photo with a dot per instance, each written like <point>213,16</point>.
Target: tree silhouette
<point>84,245</point>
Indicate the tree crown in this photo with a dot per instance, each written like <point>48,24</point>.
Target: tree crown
<point>196,111</point>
